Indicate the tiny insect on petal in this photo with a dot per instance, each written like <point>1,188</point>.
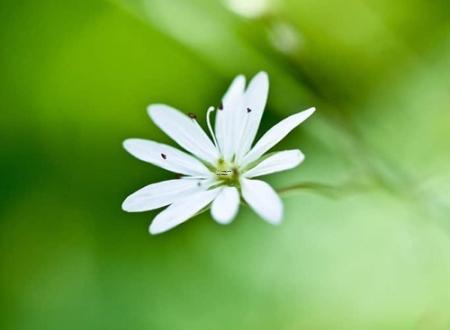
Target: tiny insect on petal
<point>185,131</point>
<point>249,110</point>
<point>163,156</point>
<point>177,161</point>
<point>192,115</point>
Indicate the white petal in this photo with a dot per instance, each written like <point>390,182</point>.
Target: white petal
<point>224,126</point>
<point>159,194</point>
<point>277,162</point>
<point>182,210</point>
<point>185,131</point>
<point>251,113</point>
<point>225,206</point>
<point>275,135</point>
<point>263,200</point>
<point>235,91</point>
<point>166,157</point>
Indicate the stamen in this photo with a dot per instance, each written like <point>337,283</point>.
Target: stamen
<point>192,115</point>
<point>163,156</point>
<point>208,122</point>
<point>244,128</point>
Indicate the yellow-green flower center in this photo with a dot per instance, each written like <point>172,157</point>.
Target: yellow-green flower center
<point>227,172</point>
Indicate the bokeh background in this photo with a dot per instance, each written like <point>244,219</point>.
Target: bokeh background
<point>370,251</point>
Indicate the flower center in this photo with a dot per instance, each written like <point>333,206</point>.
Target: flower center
<point>227,173</point>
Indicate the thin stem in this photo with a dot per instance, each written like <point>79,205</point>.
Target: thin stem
<point>332,191</point>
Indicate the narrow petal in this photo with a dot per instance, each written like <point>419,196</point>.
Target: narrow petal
<point>185,131</point>
<point>159,194</point>
<point>277,162</point>
<point>166,157</point>
<point>263,200</point>
<point>235,91</point>
<point>182,210</point>
<point>275,135</point>
<point>225,116</point>
<point>255,101</point>
<point>225,206</point>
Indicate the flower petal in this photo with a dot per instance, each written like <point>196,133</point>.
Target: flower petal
<point>277,162</point>
<point>224,125</point>
<point>275,135</point>
<point>251,113</point>
<point>182,210</point>
<point>263,199</point>
<point>185,131</point>
<point>224,208</point>
<point>159,194</point>
<point>166,157</point>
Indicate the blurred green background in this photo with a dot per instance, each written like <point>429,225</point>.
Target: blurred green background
<point>76,77</point>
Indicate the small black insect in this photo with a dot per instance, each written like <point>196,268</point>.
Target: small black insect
<point>249,110</point>
<point>164,156</point>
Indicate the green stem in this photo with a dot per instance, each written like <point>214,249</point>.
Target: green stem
<point>331,191</point>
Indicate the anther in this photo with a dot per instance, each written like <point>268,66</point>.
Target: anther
<point>249,110</point>
<point>164,156</point>
<point>192,115</point>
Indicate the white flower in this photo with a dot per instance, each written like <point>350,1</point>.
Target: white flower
<point>249,8</point>
<point>216,172</point>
